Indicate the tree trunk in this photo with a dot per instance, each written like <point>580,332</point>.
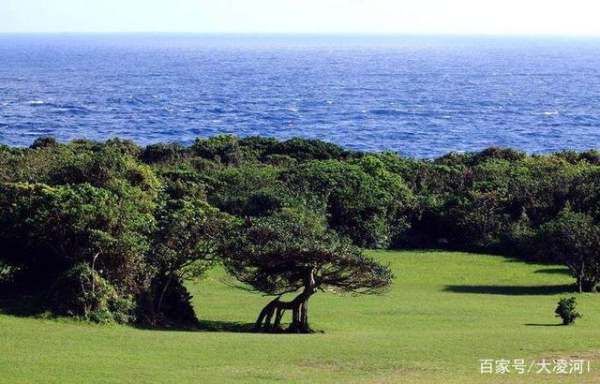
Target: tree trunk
<point>588,285</point>
<point>267,312</point>
<point>580,278</point>
<point>161,298</point>
<point>300,323</point>
<point>278,317</point>
<point>303,326</point>
<point>298,306</point>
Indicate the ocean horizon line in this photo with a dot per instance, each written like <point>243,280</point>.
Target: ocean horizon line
<point>510,36</point>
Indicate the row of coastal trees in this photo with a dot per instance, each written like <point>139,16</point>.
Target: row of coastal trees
<point>111,231</point>
<point>107,232</point>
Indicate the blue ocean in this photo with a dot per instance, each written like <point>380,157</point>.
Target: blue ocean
<point>419,96</point>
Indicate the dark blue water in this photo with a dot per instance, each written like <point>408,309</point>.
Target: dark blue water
<point>419,96</point>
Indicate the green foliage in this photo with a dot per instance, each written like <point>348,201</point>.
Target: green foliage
<point>157,153</point>
<point>249,191</point>
<point>572,238</point>
<point>82,292</point>
<point>48,229</point>
<point>150,218</point>
<point>273,255</point>
<point>362,199</point>
<point>84,203</point>
<point>188,234</point>
<point>306,149</point>
<point>224,149</point>
<point>43,142</point>
<point>231,150</point>
<point>566,310</point>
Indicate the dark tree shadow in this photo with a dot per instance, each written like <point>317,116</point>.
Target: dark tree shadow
<point>554,271</point>
<point>200,326</point>
<point>543,325</point>
<point>511,290</point>
<point>225,326</point>
<point>238,327</point>
<point>539,263</point>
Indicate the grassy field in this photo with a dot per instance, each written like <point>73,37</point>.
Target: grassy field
<point>444,313</point>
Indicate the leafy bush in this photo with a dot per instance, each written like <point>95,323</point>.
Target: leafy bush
<point>306,149</point>
<point>157,153</point>
<point>44,142</point>
<point>572,239</point>
<point>223,148</point>
<point>82,292</point>
<point>566,310</point>
<point>362,200</point>
<point>49,229</point>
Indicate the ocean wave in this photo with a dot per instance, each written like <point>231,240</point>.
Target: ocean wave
<point>546,113</point>
<point>388,112</point>
<point>70,110</point>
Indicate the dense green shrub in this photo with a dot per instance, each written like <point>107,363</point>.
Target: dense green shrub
<point>248,190</point>
<point>157,153</point>
<point>82,292</point>
<point>44,142</point>
<point>361,199</point>
<point>223,149</point>
<point>306,149</point>
<point>175,311</point>
<point>48,229</point>
<point>566,310</point>
<point>572,238</point>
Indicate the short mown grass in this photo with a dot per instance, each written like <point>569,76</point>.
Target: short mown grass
<point>444,313</point>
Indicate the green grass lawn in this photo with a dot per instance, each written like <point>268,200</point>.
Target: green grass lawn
<point>444,312</point>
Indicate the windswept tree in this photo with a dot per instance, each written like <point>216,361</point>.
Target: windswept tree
<point>293,252</point>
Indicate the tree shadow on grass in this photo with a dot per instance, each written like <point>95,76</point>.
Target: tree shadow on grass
<point>225,326</point>
<point>219,327</point>
<point>543,325</point>
<point>511,290</point>
<point>554,271</point>
<point>238,327</point>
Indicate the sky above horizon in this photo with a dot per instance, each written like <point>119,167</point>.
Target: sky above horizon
<point>496,17</point>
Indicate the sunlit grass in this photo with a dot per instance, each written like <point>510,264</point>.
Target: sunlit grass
<point>444,313</point>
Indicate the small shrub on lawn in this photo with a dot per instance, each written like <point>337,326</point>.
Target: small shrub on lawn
<point>566,310</point>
